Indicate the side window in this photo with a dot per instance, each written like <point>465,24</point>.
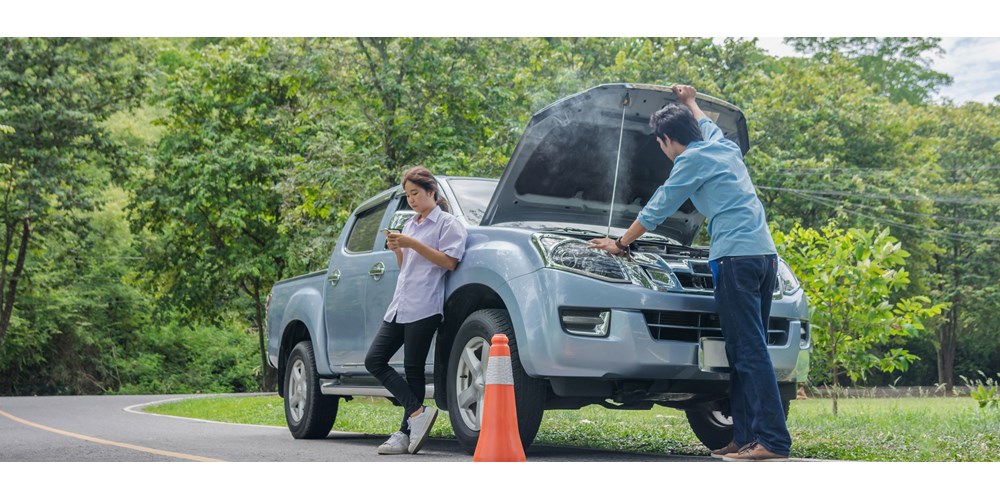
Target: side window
<point>362,238</point>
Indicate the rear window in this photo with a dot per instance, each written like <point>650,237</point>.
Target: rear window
<point>474,196</point>
<point>365,229</point>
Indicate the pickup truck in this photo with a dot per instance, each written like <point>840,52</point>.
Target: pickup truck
<point>585,327</point>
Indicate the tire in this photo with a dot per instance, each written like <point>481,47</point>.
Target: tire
<point>309,414</point>
<point>467,384</point>
<point>714,426</point>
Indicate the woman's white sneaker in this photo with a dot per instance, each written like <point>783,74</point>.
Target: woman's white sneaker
<point>397,444</point>
<point>420,427</point>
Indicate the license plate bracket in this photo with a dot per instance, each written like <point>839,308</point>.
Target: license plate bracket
<point>712,355</point>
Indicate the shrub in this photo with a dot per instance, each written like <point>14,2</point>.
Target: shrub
<point>172,358</point>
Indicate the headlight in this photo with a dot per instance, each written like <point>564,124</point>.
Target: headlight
<point>571,254</point>
<point>787,282</point>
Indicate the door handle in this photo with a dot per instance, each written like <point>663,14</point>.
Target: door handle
<point>377,271</point>
<point>334,277</point>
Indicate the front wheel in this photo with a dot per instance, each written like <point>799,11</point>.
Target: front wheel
<point>309,414</point>
<point>466,380</point>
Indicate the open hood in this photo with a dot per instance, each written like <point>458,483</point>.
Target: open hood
<point>563,169</point>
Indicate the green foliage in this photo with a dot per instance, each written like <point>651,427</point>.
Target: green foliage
<point>55,93</point>
<point>177,357</point>
<point>984,391</point>
<point>241,159</point>
<point>898,67</point>
<point>79,308</point>
<point>211,205</point>
<point>964,140</point>
<point>850,276</point>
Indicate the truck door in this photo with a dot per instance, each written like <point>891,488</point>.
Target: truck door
<point>352,267</point>
<point>379,292</point>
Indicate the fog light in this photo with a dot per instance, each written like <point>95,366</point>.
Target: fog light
<point>589,322</point>
<point>664,280</point>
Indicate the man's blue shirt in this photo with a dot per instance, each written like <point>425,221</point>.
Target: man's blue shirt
<point>712,174</point>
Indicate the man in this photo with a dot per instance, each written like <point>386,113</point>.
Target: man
<point>709,169</point>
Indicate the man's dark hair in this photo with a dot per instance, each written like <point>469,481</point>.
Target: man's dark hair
<point>677,122</point>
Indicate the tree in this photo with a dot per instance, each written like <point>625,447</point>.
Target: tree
<point>55,93</point>
<point>211,201</point>
<point>898,67</point>
<point>849,277</point>
<point>965,225</point>
<point>825,146</point>
<point>377,105</point>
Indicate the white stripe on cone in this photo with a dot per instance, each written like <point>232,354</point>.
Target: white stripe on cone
<point>498,371</point>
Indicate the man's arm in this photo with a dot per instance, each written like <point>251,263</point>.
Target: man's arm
<point>709,130</point>
<point>686,95</point>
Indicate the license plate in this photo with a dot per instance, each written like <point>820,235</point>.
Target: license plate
<point>712,355</point>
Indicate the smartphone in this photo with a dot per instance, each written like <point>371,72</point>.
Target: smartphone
<point>387,231</point>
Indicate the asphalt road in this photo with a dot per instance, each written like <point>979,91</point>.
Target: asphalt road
<point>114,429</point>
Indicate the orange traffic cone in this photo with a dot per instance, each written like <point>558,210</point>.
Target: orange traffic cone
<point>499,440</point>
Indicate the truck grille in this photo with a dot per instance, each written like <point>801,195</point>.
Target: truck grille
<point>690,326</point>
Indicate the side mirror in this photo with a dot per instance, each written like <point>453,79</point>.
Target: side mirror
<point>400,218</point>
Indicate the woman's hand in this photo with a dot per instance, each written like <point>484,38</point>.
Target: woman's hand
<point>398,241</point>
<point>395,242</point>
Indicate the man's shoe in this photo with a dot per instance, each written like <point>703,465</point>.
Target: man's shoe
<point>755,452</point>
<point>420,427</point>
<point>397,444</point>
<point>732,447</point>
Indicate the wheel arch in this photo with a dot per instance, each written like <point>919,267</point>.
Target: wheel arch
<point>296,331</point>
<point>460,304</point>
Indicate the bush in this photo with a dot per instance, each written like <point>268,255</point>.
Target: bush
<point>173,359</point>
<point>984,391</point>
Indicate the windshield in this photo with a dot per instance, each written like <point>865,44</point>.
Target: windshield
<point>473,195</point>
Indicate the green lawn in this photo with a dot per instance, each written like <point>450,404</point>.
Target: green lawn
<point>887,429</point>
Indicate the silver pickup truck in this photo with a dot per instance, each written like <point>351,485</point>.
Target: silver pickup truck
<point>585,327</point>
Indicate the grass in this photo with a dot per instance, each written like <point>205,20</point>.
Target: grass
<point>867,429</point>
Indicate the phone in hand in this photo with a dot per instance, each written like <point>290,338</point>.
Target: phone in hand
<point>386,231</point>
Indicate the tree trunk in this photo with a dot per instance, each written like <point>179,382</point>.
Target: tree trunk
<point>7,306</point>
<point>267,374</point>
<point>948,332</point>
<point>948,350</point>
<point>833,366</point>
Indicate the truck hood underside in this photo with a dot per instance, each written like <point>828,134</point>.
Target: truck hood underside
<point>563,168</point>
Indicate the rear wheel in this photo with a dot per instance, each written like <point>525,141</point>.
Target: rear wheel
<point>309,414</point>
<point>466,380</point>
<point>713,425</point>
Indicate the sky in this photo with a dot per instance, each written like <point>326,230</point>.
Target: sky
<point>973,63</point>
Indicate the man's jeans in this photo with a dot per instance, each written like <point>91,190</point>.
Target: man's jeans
<point>743,289</point>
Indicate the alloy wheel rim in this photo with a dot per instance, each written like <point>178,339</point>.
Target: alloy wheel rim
<point>722,419</point>
<point>297,390</point>
<point>470,383</point>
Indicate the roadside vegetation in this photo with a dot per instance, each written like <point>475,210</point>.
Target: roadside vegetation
<point>152,190</point>
<point>912,429</point>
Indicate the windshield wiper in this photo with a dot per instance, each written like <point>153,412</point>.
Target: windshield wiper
<point>574,230</point>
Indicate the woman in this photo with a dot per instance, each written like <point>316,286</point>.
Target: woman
<point>431,244</point>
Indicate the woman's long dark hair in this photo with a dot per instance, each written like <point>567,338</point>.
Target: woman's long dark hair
<point>425,179</point>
